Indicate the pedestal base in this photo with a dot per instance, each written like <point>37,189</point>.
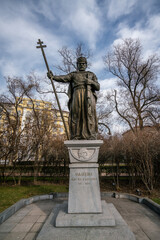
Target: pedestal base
<point>65,219</point>
<point>119,232</point>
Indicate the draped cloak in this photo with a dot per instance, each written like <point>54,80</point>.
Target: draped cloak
<point>81,104</point>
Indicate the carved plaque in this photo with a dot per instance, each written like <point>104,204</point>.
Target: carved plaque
<point>82,154</point>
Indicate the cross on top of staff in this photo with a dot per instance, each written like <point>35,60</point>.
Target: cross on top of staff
<point>40,43</point>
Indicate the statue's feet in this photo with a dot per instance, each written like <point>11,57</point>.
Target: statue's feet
<point>83,138</point>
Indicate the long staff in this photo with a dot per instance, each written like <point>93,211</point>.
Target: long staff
<point>54,89</point>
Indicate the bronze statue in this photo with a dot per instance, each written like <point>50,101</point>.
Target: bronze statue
<point>82,101</point>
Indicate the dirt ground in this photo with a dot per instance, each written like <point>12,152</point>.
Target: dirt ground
<point>124,187</point>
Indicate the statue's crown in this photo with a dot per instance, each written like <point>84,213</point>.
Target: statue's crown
<point>81,60</point>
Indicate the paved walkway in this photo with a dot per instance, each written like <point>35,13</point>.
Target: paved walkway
<point>143,222</point>
<point>27,222</point>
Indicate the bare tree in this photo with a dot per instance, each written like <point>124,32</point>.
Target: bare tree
<point>137,99</point>
<point>104,114</point>
<point>117,157</point>
<point>10,129</point>
<point>39,128</point>
<point>141,152</point>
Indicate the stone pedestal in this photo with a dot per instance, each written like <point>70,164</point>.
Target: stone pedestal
<point>84,190</point>
<point>85,216</point>
<point>84,207</point>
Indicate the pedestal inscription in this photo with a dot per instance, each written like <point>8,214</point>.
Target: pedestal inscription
<point>84,194</point>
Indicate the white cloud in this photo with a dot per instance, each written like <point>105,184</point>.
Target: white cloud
<point>45,8</point>
<point>97,64</point>
<point>19,39</point>
<point>60,23</point>
<point>148,34</point>
<point>21,28</point>
<point>108,84</point>
<point>119,8</point>
<point>80,17</point>
<point>86,26</point>
<point>83,20</point>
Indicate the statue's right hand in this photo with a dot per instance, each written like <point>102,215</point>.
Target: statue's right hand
<point>89,81</point>
<point>50,74</point>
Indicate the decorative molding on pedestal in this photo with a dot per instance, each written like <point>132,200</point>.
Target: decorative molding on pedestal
<point>83,150</point>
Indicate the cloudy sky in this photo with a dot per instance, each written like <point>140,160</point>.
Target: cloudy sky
<point>97,23</point>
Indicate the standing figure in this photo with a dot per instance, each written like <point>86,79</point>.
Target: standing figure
<point>82,101</point>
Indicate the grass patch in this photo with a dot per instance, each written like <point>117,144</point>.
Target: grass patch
<point>157,200</point>
<point>11,194</point>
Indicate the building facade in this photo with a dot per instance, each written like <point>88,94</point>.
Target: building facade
<point>27,125</point>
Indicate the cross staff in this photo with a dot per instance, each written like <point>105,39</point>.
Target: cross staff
<point>44,56</point>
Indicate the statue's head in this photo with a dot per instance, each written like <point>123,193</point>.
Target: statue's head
<point>81,63</point>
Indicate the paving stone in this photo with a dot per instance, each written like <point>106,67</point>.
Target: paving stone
<point>41,219</point>
<point>31,236</point>
<point>45,204</point>
<point>135,228</point>
<point>36,227</point>
<point>38,213</point>
<point>15,218</point>
<point>22,227</point>
<point>15,236</point>
<point>40,209</point>
<point>22,212</point>
<point>153,235</point>
<point>29,219</point>
<point>7,226</point>
<point>145,224</point>
<point>151,229</point>
<point>3,235</point>
<point>30,207</point>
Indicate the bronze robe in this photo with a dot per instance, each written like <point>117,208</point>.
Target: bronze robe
<point>82,104</point>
